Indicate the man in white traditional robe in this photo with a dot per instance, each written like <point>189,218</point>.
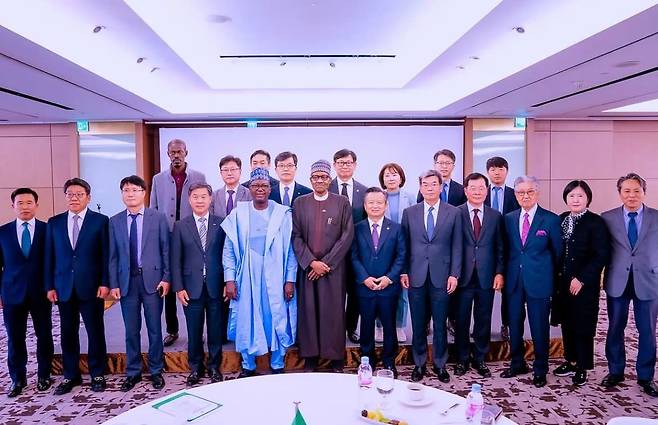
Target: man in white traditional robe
<point>260,270</point>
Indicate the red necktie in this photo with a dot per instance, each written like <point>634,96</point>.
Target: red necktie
<point>477,224</point>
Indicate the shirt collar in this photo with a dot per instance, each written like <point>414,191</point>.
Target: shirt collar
<point>235,189</point>
<point>178,173</point>
<point>378,222</point>
<point>282,185</point>
<point>427,206</point>
<point>349,182</point>
<point>31,223</point>
<point>472,207</point>
<point>140,212</point>
<point>321,198</point>
<point>197,217</point>
<point>81,214</point>
<point>446,181</point>
<point>531,212</point>
<point>639,212</point>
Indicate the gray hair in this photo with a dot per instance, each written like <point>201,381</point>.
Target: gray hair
<point>632,176</point>
<point>430,173</point>
<point>195,186</point>
<point>526,179</point>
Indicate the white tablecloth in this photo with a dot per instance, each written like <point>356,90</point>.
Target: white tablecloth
<point>326,399</point>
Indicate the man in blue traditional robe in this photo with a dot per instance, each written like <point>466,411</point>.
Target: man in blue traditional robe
<point>260,270</point>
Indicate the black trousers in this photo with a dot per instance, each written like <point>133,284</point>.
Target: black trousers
<point>383,308</point>
<point>352,307</point>
<point>15,317</point>
<point>197,311</point>
<point>473,299</point>
<point>171,313</point>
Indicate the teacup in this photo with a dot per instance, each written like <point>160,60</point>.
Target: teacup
<point>415,392</point>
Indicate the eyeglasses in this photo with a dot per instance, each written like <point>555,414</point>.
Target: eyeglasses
<point>133,191</point>
<point>229,170</point>
<point>318,179</point>
<point>530,193</point>
<point>444,163</point>
<point>259,186</point>
<point>286,166</point>
<point>344,163</point>
<point>432,185</point>
<point>78,195</point>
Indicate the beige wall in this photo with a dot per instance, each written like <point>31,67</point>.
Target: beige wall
<point>40,156</point>
<point>596,151</point>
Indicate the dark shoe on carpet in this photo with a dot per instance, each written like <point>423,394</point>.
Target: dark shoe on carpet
<point>579,377</point>
<point>337,366</point>
<point>130,382</point>
<point>442,374</point>
<point>193,379</point>
<point>565,369</point>
<point>310,364</point>
<point>157,381</point>
<point>418,373</point>
<point>482,369</point>
<point>649,387</point>
<point>44,384</point>
<point>460,368</point>
<point>612,380</point>
<point>169,339</point>
<point>67,385</point>
<point>354,337</point>
<point>504,333</point>
<point>392,369</point>
<point>511,372</point>
<point>279,371</point>
<point>16,389</point>
<point>98,384</point>
<point>215,376</point>
<point>539,380</point>
<point>246,373</point>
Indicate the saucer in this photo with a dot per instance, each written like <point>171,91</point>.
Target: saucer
<point>417,403</point>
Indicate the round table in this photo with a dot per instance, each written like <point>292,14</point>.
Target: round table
<point>326,399</point>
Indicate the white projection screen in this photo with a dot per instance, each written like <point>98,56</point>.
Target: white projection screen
<point>412,147</point>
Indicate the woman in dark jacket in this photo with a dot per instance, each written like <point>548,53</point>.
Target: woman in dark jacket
<point>586,252</point>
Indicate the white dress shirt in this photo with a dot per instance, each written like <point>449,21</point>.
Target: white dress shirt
<point>500,197</point>
<point>197,217</point>
<point>81,220</point>
<point>350,188</point>
<point>472,214</point>
<point>227,195</point>
<point>282,190</point>
<point>30,228</point>
<point>435,212</point>
<point>531,216</point>
<point>379,225</point>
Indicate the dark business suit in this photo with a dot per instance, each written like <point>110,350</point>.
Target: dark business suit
<point>632,275</point>
<point>218,206</point>
<point>456,195</point>
<point>22,293</point>
<point>586,253</point>
<point>430,261</point>
<point>482,259</point>
<point>530,272</point>
<point>76,274</point>
<point>189,261</point>
<point>139,286</point>
<point>358,214</point>
<point>387,259</point>
<point>298,190</point>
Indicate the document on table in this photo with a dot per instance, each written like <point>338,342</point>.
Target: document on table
<point>186,406</point>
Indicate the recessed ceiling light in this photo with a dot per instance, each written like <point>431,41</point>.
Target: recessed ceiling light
<point>140,60</point>
<point>155,68</point>
<point>475,58</point>
<point>461,67</point>
<point>331,64</point>
<point>219,19</point>
<point>283,63</point>
<point>519,30</point>
<point>98,28</point>
<point>627,64</point>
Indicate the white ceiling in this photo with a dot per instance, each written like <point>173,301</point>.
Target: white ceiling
<point>444,59</point>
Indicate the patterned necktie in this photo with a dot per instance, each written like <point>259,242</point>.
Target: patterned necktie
<point>26,242</point>
<point>526,228</point>
<point>430,223</point>
<point>286,196</point>
<point>229,202</point>
<point>76,231</point>
<point>477,224</point>
<point>375,236</point>
<point>134,261</point>
<point>494,201</point>
<point>444,193</point>
<point>203,232</point>
<point>632,229</point>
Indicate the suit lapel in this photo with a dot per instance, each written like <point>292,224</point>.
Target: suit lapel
<point>440,214</point>
<point>146,226</point>
<point>14,237</point>
<point>536,222</point>
<point>647,222</point>
<point>620,228</point>
<point>515,229</point>
<point>86,223</point>
<point>466,216</point>
<point>212,227</point>
<point>384,234</point>
<point>366,231</point>
<point>192,228</point>
<point>123,231</point>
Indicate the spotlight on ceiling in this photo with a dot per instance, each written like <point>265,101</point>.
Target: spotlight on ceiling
<point>520,30</point>
<point>331,64</point>
<point>155,68</point>
<point>283,63</point>
<point>98,28</point>
<point>140,60</point>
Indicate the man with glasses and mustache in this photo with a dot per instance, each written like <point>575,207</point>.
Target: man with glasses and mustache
<point>227,197</point>
<point>534,248</point>
<point>322,238</point>
<point>76,278</point>
<point>288,189</point>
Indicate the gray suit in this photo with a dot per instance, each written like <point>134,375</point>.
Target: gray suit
<point>138,288</point>
<point>163,194</point>
<point>632,275</point>
<point>430,261</point>
<point>218,206</point>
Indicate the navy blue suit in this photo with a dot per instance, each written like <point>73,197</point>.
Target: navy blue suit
<point>76,274</point>
<point>139,287</point>
<point>277,196</point>
<point>385,260</point>
<point>21,290</point>
<point>529,279</point>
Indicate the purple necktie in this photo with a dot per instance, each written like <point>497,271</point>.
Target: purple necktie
<point>375,236</point>
<point>477,224</point>
<point>229,202</point>
<point>526,228</point>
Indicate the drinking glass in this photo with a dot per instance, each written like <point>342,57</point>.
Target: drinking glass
<point>385,383</point>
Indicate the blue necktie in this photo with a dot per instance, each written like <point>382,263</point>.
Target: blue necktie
<point>134,261</point>
<point>286,196</point>
<point>494,201</point>
<point>430,223</point>
<point>444,193</point>
<point>26,242</point>
<point>632,229</point>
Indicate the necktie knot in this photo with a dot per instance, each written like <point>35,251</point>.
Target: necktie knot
<point>286,189</point>
<point>76,217</point>
<point>430,209</point>
<point>231,192</point>
<point>134,216</point>
<point>202,220</point>
<point>375,226</point>
<point>632,215</point>
<point>26,225</point>
<point>476,211</point>
<point>497,189</point>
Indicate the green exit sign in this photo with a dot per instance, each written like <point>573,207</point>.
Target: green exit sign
<point>83,126</point>
<point>519,122</point>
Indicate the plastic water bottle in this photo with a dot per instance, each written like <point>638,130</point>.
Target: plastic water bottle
<point>365,372</point>
<point>474,404</point>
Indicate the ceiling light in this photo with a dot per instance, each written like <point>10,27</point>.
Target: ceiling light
<point>648,106</point>
<point>140,60</point>
<point>155,68</point>
<point>283,63</point>
<point>627,64</point>
<point>520,30</point>
<point>331,64</point>
<point>219,19</point>
<point>98,28</point>
<point>475,58</point>
<point>461,67</point>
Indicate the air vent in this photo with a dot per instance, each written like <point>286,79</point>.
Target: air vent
<point>34,99</point>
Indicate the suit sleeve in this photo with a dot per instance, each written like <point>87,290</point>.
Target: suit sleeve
<point>302,251</point>
<point>49,258</point>
<point>556,240</point>
<point>2,267</point>
<point>407,245</point>
<point>590,274</point>
<point>176,259</point>
<point>229,261</point>
<point>499,248</point>
<point>165,246</point>
<point>114,258</point>
<point>343,245</point>
<point>105,249</point>
<point>400,258</point>
<point>457,245</point>
<point>360,272</point>
<point>153,199</point>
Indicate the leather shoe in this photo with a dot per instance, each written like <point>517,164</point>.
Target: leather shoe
<point>482,369</point>
<point>442,374</point>
<point>16,389</point>
<point>354,337</point>
<point>246,373</point>
<point>539,380</point>
<point>157,381</point>
<point>67,385</point>
<point>394,370</point>
<point>279,371</point>
<point>511,372</point>
<point>98,384</point>
<point>193,379</point>
<point>649,387</point>
<point>169,339</point>
<point>612,380</point>
<point>215,376</point>
<point>418,373</point>
<point>44,384</point>
<point>130,382</point>
<point>460,368</point>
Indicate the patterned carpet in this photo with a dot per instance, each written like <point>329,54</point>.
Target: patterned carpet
<point>557,403</point>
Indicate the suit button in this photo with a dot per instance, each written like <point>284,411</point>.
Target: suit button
<point>171,215</point>
<point>627,269</point>
<point>172,199</point>
<point>476,247</point>
<point>632,255</point>
<point>520,266</point>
